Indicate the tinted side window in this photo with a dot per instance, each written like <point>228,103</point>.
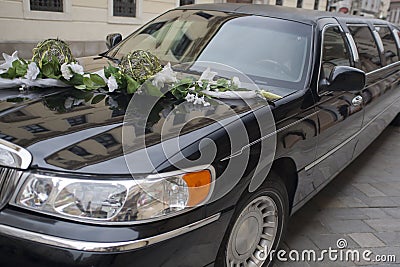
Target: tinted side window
<point>334,51</point>
<point>367,48</point>
<point>389,44</point>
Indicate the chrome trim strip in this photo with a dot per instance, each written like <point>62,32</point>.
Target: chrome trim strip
<point>325,156</point>
<point>24,156</point>
<point>103,246</point>
<point>395,33</point>
<point>379,41</point>
<point>237,153</point>
<point>384,68</point>
<point>353,47</point>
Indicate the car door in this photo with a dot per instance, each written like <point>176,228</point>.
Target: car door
<point>340,113</point>
<point>381,94</point>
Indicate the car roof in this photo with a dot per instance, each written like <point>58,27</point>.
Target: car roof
<point>295,14</point>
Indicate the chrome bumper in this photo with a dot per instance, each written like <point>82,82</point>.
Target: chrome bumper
<point>100,246</point>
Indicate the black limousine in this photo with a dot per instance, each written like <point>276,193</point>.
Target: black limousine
<point>67,195</point>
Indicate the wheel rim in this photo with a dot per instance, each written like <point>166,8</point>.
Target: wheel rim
<point>253,234</point>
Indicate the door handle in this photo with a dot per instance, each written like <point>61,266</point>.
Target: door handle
<point>357,101</point>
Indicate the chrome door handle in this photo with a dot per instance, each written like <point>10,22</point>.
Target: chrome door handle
<point>357,101</point>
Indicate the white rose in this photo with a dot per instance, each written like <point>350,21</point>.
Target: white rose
<point>112,84</point>
<point>236,82</point>
<point>32,72</point>
<point>76,68</point>
<point>66,72</point>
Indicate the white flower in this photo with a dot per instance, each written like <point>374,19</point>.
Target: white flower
<point>32,72</point>
<point>190,97</point>
<point>71,102</point>
<point>207,75</point>
<point>112,103</point>
<point>9,60</point>
<point>66,72</point>
<point>166,75</point>
<point>198,100</point>
<point>76,68</point>
<point>236,82</point>
<point>192,88</point>
<point>206,104</point>
<point>112,84</point>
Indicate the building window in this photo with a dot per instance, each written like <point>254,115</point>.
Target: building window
<point>79,151</point>
<point>7,137</point>
<point>316,4</point>
<point>124,8</point>
<point>299,4</point>
<point>78,120</point>
<point>107,140</point>
<point>35,128</point>
<point>186,2</point>
<point>279,2</point>
<point>47,5</point>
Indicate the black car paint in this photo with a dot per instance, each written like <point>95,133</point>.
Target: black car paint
<point>304,134</point>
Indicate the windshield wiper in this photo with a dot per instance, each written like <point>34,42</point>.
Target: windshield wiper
<point>115,60</point>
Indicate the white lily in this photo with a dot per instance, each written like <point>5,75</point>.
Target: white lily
<point>208,75</point>
<point>9,60</point>
<point>32,72</point>
<point>166,75</point>
<point>112,84</point>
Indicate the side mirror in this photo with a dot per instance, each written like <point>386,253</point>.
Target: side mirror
<point>113,39</point>
<point>344,78</point>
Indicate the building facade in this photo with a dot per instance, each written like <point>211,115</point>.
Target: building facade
<point>84,24</point>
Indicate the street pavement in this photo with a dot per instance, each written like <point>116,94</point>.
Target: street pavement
<point>361,205</point>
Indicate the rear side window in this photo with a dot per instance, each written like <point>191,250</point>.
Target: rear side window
<point>367,48</point>
<point>389,44</point>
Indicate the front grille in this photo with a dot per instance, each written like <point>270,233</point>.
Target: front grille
<point>8,182</point>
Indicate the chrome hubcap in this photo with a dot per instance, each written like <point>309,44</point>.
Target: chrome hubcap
<point>253,234</point>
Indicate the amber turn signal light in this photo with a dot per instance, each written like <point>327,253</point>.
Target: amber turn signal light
<point>199,185</point>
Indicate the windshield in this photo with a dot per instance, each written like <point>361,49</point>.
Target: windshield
<point>274,53</point>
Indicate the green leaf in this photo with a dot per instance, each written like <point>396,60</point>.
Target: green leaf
<point>110,70</point>
<point>10,74</point>
<point>98,99</point>
<point>47,70</point>
<point>88,82</point>
<point>132,85</point>
<point>20,68</point>
<point>97,79</point>
<point>153,90</point>
<point>80,87</point>
<point>77,79</point>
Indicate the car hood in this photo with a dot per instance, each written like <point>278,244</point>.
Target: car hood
<point>74,131</point>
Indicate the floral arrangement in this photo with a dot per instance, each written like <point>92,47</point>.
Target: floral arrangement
<point>53,61</point>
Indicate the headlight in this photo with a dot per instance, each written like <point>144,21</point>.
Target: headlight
<point>115,200</point>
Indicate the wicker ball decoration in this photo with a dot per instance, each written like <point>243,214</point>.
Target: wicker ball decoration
<point>140,65</point>
<point>45,50</point>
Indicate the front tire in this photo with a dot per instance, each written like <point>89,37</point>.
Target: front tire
<point>257,226</point>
